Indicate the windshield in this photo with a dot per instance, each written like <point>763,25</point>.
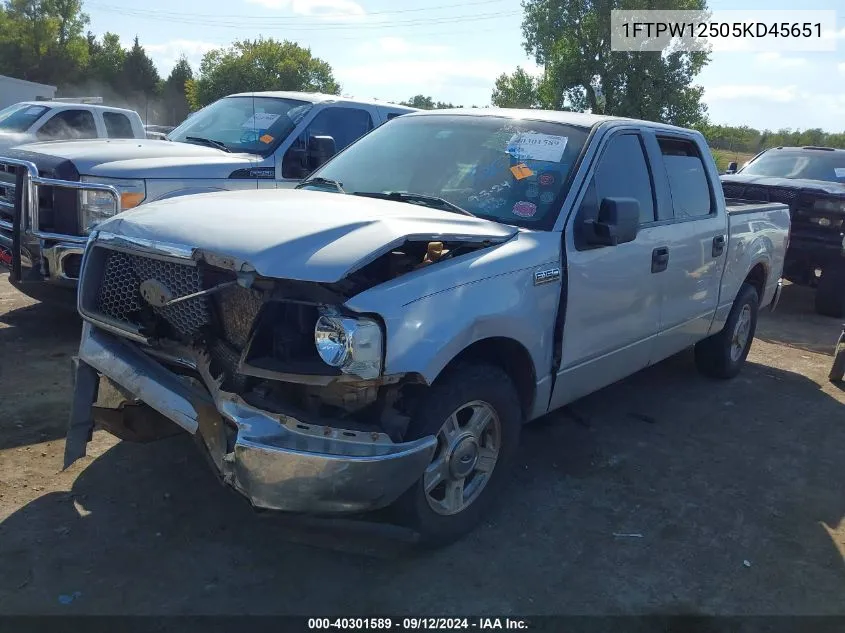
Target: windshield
<point>19,117</point>
<point>243,124</point>
<point>798,163</point>
<point>503,169</point>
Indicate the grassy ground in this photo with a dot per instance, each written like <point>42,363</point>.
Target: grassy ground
<point>723,157</point>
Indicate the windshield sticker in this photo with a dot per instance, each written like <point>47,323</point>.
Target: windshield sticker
<point>534,146</point>
<point>532,191</point>
<point>521,171</point>
<point>443,134</point>
<point>524,209</point>
<point>34,110</point>
<point>266,139</point>
<point>261,120</point>
<point>547,179</point>
<point>840,172</point>
<point>547,197</point>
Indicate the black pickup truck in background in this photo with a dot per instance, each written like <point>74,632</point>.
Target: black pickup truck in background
<point>811,180</point>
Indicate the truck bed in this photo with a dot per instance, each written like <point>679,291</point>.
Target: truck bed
<point>738,206</point>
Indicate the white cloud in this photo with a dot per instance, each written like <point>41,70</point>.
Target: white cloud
<point>778,61</point>
<point>316,8</point>
<point>395,68</point>
<point>842,68</point>
<point>778,94</point>
<point>166,55</point>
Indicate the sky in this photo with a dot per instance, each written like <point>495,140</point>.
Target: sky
<point>453,51</point>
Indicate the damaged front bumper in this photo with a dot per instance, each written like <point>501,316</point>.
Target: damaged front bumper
<point>276,461</point>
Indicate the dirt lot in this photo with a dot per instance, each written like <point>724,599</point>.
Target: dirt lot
<point>663,493</point>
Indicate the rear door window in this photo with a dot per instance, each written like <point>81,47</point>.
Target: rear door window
<point>688,181</point>
<point>118,125</point>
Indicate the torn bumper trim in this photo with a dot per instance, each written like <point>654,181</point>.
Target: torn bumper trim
<point>277,462</point>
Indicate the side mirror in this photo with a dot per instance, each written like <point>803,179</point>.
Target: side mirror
<point>320,150</point>
<point>731,168</point>
<point>618,222</point>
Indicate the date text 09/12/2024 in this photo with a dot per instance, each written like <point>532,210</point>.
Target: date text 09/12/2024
<point>417,624</point>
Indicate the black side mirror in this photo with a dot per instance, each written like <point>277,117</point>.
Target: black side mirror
<point>731,168</point>
<point>618,222</point>
<point>320,150</point>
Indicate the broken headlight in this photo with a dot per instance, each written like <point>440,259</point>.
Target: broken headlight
<point>353,344</point>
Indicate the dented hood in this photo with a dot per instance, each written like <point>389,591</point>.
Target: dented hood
<point>295,234</point>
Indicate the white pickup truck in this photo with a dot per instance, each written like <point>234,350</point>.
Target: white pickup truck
<point>31,121</point>
<point>380,339</point>
<point>260,140</point>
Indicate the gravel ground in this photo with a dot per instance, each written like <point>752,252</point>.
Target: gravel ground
<point>664,493</point>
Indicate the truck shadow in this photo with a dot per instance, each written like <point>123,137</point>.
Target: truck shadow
<point>652,493</point>
<point>36,344</point>
<point>795,323</point>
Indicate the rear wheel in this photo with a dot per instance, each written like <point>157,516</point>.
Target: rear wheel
<point>837,369</point>
<point>475,414</point>
<point>830,294</point>
<point>722,355</point>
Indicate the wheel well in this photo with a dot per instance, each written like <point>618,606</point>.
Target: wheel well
<point>512,358</point>
<point>757,278</point>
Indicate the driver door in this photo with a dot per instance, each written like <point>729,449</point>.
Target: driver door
<point>613,299</point>
<point>343,123</point>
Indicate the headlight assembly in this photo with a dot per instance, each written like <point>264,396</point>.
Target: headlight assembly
<point>353,344</point>
<point>96,206</point>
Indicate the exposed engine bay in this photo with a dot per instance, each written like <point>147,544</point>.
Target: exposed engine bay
<point>259,335</point>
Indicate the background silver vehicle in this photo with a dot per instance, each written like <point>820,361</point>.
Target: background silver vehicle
<point>467,271</point>
<point>244,141</point>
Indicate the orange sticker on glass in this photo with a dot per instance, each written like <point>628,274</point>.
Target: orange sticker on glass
<point>521,171</point>
<point>266,139</point>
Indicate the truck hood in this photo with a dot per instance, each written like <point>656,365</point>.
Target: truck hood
<point>295,234</point>
<point>820,186</point>
<point>144,158</point>
<point>12,139</point>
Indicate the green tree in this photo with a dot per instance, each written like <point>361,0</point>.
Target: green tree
<point>139,72</point>
<point>262,64</point>
<point>174,92</point>
<point>571,40</point>
<point>427,103</point>
<point>519,90</point>
<point>106,60</point>
<point>42,40</point>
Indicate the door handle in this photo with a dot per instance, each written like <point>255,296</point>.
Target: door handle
<point>659,259</point>
<point>718,245</point>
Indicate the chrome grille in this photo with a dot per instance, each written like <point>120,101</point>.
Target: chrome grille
<point>120,297</point>
<point>7,190</point>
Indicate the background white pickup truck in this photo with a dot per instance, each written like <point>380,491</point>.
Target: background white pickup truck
<point>31,121</point>
<point>247,141</point>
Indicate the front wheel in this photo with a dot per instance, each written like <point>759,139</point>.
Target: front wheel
<point>723,354</point>
<point>474,412</point>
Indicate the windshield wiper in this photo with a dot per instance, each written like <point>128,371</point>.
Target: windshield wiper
<point>208,141</point>
<point>432,202</point>
<point>319,180</point>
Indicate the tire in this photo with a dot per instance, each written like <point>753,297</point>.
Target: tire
<point>465,391</point>
<point>716,356</point>
<point>830,294</point>
<point>837,368</point>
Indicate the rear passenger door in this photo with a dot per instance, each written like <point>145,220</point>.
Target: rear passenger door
<point>695,231</point>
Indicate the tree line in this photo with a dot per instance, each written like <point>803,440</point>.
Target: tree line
<point>48,41</point>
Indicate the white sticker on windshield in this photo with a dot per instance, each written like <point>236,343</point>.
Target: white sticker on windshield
<point>261,120</point>
<point>840,172</point>
<point>35,110</point>
<point>535,146</point>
